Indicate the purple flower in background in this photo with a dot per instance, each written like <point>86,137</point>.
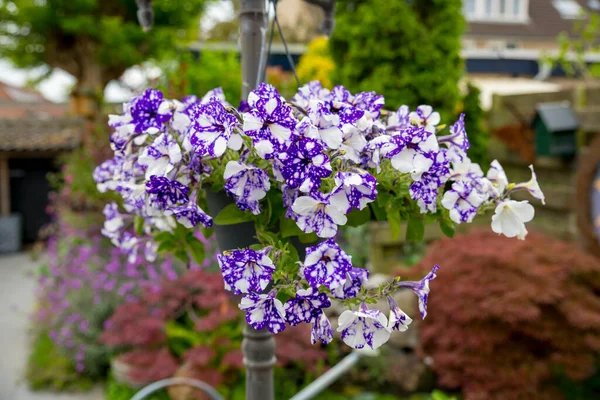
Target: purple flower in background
<point>321,329</point>
<point>463,201</point>
<point>363,327</point>
<point>306,306</point>
<point>145,114</point>
<point>161,156</point>
<point>211,130</point>
<point>312,90</point>
<point>113,224</point>
<point>246,270</point>
<point>425,191</point>
<point>319,213</point>
<point>356,188</point>
<point>398,320</point>
<point>326,264</point>
<point>355,279</point>
<point>264,311</point>
<point>269,123</point>
<point>421,289</point>
<point>304,164</point>
<point>247,184</point>
<point>425,117</point>
<point>165,192</point>
<point>215,94</point>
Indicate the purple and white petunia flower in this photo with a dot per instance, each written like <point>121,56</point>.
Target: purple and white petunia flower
<point>353,143</point>
<point>321,329</point>
<point>212,130</point>
<point>458,136</point>
<point>326,264</point>
<point>398,320</point>
<point>320,213</point>
<point>246,270</point>
<point>104,175</point>
<point>114,223</point>
<point>304,164</point>
<point>364,327</point>
<point>425,117</point>
<point>214,94</point>
<point>370,102</point>
<point>247,184</point>
<point>165,193</point>
<point>161,156</point>
<point>326,122</point>
<point>190,214</point>
<point>145,114</point>
<point>355,279</point>
<point>357,188</point>
<point>463,201</point>
<point>415,152</point>
<point>263,91</point>
<point>264,311</point>
<point>421,289</point>
<point>398,119</point>
<point>312,90</point>
<point>425,191</point>
<point>306,306</point>
<point>269,124</point>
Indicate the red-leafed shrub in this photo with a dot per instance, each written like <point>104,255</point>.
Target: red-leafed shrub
<point>506,317</point>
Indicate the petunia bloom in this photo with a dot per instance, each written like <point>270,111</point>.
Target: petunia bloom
<point>264,311</point>
<point>212,129</point>
<point>247,184</point>
<point>421,289</point>
<point>532,186</point>
<point>326,264</point>
<point>246,270</point>
<point>364,327</point>
<point>319,213</point>
<point>321,330</point>
<point>306,306</point>
<point>398,320</point>
<point>510,218</point>
<point>161,156</point>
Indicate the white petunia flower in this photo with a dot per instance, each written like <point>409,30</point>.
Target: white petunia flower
<point>532,186</point>
<point>510,218</point>
<point>364,327</point>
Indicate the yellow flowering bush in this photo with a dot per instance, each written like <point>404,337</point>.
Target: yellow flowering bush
<point>316,63</point>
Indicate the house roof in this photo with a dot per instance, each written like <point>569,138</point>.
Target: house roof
<point>28,134</point>
<point>18,102</point>
<point>545,22</point>
<point>558,117</point>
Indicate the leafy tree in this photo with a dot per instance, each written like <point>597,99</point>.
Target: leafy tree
<point>407,50</point>
<point>584,39</point>
<point>93,40</point>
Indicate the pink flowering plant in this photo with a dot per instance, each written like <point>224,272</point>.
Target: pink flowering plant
<point>298,170</point>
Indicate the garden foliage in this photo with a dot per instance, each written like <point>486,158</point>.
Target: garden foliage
<point>512,316</point>
<point>316,64</point>
<point>409,50</point>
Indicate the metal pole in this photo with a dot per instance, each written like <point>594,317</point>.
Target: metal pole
<point>258,346</point>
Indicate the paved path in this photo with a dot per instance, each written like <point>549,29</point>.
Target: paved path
<point>16,303</point>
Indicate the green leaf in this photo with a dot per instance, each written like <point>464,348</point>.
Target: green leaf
<point>288,228</point>
<point>416,229</point>
<point>162,236</point>
<point>138,225</point>
<point>448,227</point>
<point>276,205</point>
<point>196,248</point>
<point>166,246</point>
<point>378,211</point>
<point>306,238</point>
<point>232,215</point>
<point>181,254</point>
<point>359,217</point>
<point>393,217</point>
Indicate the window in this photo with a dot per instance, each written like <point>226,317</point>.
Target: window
<point>594,4</point>
<point>568,9</point>
<point>502,11</point>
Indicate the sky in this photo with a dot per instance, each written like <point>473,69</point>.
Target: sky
<point>56,88</point>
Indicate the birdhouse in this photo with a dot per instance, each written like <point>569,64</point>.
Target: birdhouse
<point>555,125</point>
